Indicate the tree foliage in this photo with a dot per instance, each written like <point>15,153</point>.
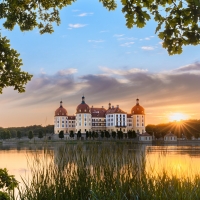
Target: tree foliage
<point>40,135</point>
<point>7,183</point>
<point>71,134</point>
<point>114,134</point>
<point>10,71</point>
<point>30,135</point>
<point>49,129</point>
<point>185,128</point>
<point>79,134</point>
<point>61,134</point>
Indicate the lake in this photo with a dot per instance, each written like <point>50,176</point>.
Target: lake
<point>181,160</point>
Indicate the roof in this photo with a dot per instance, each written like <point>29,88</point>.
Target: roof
<point>115,111</point>
<point>137,109</point>
<point>170,134</point>
<point>129,115</point>
<point>71,117</point>
<point>61,111</point>
<point>145,134</point>
<point>98,112</point>
<point>83,107</point>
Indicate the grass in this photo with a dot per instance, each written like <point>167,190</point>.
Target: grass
<point>101,172</point>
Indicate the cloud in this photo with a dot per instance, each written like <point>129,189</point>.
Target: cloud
<point>96,41</point>
<point>147,48</point>
<point>121,71</point>
<point>104,31</point>
<point>77,25</point>
<point>126,38</point>
<point>75,10</point>
<point>119,86</point>
<point>127,44</point>
<point>195,67</point>
<point>67,71</point>
<point>85,14</point>
<point>118,35</point>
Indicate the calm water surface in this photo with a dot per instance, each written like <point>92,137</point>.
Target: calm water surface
<point>181,160</point>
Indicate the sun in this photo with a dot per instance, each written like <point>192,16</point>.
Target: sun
<point>177,117</point>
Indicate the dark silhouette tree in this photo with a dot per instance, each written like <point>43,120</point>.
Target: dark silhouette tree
<point>61,135</point>
<point>114,134</point>
<point>30,135</point>
<point>71,134</point>
<point>79,134</point>
<point>40,135</point>
<point>19,134</point>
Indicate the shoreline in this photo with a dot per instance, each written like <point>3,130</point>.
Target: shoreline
<point>97,141</point>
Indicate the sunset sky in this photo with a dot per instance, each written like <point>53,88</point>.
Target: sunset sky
<point>93,53</point>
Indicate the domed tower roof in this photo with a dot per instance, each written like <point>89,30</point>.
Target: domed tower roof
<point>61,111</point>
<point>83,107</point>
<point>137,109</point>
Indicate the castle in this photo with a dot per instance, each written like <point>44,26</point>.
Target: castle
<point>99,119</point>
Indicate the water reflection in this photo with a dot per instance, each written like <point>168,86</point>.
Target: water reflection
<point>179,160</point>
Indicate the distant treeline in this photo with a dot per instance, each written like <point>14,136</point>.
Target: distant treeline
<point>184,128</point>
<point>12,132</point>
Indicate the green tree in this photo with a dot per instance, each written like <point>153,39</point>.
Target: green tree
<point>79,134</point>
<point>13,133</point>
<point>19,134</point>
<point>30,135</point>
<point>10,66</point>
<point>7,183</point>
<point>87,134</point>
<point>132,134</point>
<point>177,25</point>
<point>96,134</point>
<point>102,134</point>
<point>5,134</point>
<point>90,134</point>
<point>119,134</point>
<point>107,134</point>
<point>3,137</point>
<point>71,134</point>
<point>93,135</point>
<point>40,135</point>
<point>114,134</point>
<point>61,134</point>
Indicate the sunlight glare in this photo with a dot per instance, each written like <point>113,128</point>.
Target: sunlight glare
<point>178,117</point>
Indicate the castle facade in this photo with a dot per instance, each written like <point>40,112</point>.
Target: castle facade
<point>99,119</point>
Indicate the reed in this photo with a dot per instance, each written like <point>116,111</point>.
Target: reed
<point>101,172</point>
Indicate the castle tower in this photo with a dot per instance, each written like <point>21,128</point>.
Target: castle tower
<point>83,117</point>
<point>138,116</point>
<point>60,120</point>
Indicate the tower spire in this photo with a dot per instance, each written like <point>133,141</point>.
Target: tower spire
<point>61,103</point>
<point>83,99</point>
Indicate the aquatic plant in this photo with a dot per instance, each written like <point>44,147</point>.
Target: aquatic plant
<point>101,172</point>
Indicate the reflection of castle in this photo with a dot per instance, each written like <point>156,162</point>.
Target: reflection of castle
<point>100,119</point>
